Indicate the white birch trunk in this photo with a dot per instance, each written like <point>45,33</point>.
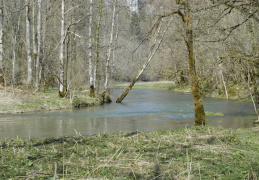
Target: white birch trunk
<point>34,40</point>
<point>107,67</point>
<point>38,45</point>
<point>15,32</point>
<point>222,77</point>
<point>14,55</point>
<point>97,33</point>
<point>43,40</point>
<point>223,80</point>
<point>251,95</point>
<point>91,74</point>
<point>1,43</point>
<point>28,41</point>
<point>61,54</point>
<point>115,44</point>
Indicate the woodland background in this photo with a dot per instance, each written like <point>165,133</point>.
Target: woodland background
<point>226,43</point>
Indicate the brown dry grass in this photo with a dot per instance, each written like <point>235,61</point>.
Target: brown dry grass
<point>10,98</point>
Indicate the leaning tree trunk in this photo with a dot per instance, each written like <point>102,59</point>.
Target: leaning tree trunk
<point>1,44</point>
<point>62,91</point>
<point>28,41</point>
<point>198,108</point>
<point>150,56</point>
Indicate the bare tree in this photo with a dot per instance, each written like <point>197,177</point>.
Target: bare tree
<point>62,90</point>
<point>28,42</point>
<point>38,44</point>
<point>34,39</point>
<point>107,67</point>
<point>97,48</point>
<point>1,43</point>
<point>198,103</point>
<point>91,73</point>
<point>15,31</point>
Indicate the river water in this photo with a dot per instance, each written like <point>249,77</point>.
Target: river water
<point>141,110</point>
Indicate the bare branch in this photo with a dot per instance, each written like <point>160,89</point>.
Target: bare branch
<point>231,29</point>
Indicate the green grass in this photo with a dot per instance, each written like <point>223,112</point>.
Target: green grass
<point>157,86</point>
<point>26,101</point>
<point>213,114</point>
<point>194,153</point>
<point>237,92</point>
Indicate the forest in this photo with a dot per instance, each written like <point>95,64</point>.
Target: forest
<point>71,45</point>
<point>59,54</point>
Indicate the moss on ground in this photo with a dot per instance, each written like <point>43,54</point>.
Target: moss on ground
<point>194,153</point>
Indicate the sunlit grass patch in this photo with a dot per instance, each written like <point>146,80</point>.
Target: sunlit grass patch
<point>189,153</point>
<point>213,114</point>
<point>20,101</point>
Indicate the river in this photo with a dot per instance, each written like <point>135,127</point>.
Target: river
<point>141,110</point>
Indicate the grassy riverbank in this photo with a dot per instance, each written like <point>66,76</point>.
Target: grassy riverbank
<point>237,93</point>
<point>159,85</point>
<point>16,100</point>
<point>193,153</point>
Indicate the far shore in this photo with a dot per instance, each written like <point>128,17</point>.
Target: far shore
<point>18,100</point>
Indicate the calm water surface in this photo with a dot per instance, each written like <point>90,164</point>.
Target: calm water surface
<point>142,110</point>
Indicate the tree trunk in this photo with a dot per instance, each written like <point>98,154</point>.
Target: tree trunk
<point>198,109</point>
<point>62,91</point>
<point>1,44</point>
<point>66,63</point>
<point>97,34</point>
<point>107,67</point>
<point>39,45</point>
<point>14,56</point>
<point>15,31</point>
<point>115,45</point>
<point>251,95</point>
<point>28,41</point>
<point>222,77</point>
<point>91,75</point>
<point>44,49</point>
<point>253,33</point>
<point>150,56</point>
<point>34,39</point>
<point>256,85</point>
